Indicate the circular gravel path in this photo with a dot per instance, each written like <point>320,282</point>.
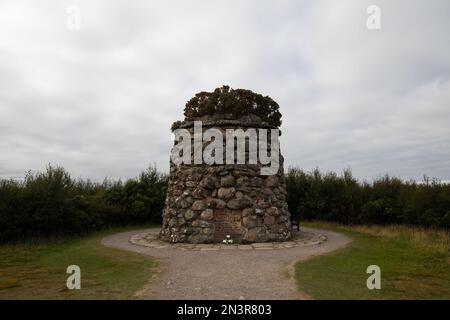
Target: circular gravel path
<point>260,271</point>
<point>303,238</point>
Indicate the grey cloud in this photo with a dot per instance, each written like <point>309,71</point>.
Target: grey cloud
<point>100,100</point>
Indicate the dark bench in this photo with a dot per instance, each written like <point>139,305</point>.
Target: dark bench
<point>295,222</point>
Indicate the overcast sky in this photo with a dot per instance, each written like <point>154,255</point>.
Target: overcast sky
<point>100,100</point>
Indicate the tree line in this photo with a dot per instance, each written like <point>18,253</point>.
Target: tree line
<point>387,200</point>
<point>53,203</point>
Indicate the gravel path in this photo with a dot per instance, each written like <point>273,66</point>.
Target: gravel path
<point>225,274</point>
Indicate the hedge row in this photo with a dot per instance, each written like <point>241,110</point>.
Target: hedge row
<point>387,200</point>
<point>53,203</point>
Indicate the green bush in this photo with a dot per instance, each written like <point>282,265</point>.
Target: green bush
<point>387,200</point>
<point>237,102</point>
<point>52,203</point>
<point>140,200</point>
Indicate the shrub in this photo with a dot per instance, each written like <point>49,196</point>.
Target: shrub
<point>237,102</point>
<point>52,203</point>
<point>387,200</point>
<point>142,199</point>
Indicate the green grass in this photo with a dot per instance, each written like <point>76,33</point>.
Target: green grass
<point>38,271</point>
<point>415,264</point>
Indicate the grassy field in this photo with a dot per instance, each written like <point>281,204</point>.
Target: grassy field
<point>415,264</point>
<point>38,271</point>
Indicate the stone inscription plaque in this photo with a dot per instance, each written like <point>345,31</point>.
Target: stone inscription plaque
<point>227,222</point>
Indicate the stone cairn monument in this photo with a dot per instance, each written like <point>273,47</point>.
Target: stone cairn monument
<point>210,203</point>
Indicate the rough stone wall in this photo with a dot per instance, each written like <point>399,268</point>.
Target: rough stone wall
<point>205,203</point>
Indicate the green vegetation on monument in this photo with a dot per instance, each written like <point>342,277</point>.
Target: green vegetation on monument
<point>236,102</point>
<point>414,264</point>
<point>38,270</point>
